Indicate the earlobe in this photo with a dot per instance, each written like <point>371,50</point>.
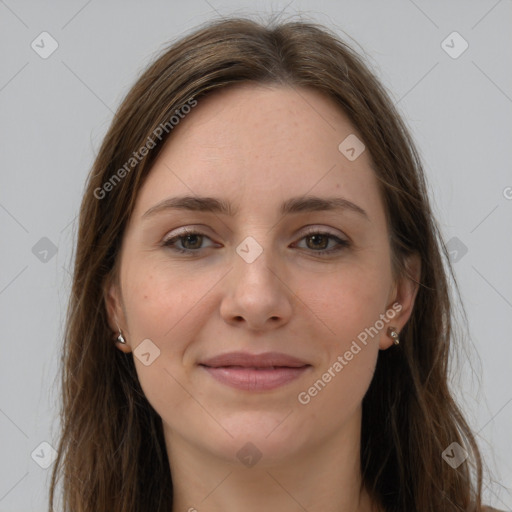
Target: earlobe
<point>402,301</point>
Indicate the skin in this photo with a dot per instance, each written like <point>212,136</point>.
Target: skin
<point>257,146</point>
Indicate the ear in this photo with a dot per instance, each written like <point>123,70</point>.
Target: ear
<point>402,297</point>
<point>115,313</point>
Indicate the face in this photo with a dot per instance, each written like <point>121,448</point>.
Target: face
<point>277,273</point>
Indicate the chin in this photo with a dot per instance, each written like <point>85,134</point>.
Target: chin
<point>269,437</point>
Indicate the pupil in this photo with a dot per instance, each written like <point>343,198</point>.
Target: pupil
<point>188,237</point>
<point>316,237</point>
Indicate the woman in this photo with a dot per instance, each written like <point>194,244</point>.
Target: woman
<point>260,316</point>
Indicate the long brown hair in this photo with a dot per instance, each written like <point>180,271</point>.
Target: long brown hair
<point>111,455</point>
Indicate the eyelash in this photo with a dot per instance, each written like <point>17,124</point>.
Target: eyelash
<point>342,244</point>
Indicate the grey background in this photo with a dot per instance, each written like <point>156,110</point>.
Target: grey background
<point>55,111</point>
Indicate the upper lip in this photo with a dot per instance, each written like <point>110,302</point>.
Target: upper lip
<point>245,359</point>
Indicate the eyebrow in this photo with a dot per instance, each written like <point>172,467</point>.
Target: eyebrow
<point>294,205</point>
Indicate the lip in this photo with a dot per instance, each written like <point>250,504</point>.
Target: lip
<point>252,379</point>
<point>255,372</point>
<point>247,360</point>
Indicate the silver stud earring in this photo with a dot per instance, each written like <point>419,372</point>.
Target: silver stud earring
<point>120,338</point>
<point>393,333</point>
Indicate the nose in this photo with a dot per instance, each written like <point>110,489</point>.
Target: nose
<point>257,294</point>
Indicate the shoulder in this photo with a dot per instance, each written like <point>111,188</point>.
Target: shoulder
<point>489,509</point>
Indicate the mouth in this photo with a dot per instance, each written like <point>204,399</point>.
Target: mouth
<point>255,379</point>
<point>260,372</point>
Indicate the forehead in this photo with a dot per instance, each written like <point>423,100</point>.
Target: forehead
<point>258,144</point>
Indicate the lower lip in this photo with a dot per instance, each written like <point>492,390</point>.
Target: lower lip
<point>251,379</point>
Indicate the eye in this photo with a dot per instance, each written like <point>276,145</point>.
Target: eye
<point>190,241</point>
<point>318,241</point>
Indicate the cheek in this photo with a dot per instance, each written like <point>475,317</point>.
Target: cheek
<point>350,303</point>
<point>334,395</point>
<point>166,308</point>
<point>349,306</point>
<point>157,301</point>
<point>157,308</point>
<point>348,300</point>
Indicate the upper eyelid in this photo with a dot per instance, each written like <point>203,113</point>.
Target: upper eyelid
<point>201,231</point>
<point>317,229</point>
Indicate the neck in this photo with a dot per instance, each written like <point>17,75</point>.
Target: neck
<point>324,477</point>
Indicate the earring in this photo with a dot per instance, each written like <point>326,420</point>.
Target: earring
<point>120,338</point>
<point>393,333</point>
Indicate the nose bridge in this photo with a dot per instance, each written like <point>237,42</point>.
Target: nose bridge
<point>255,293</point>
<point>255,257</point>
